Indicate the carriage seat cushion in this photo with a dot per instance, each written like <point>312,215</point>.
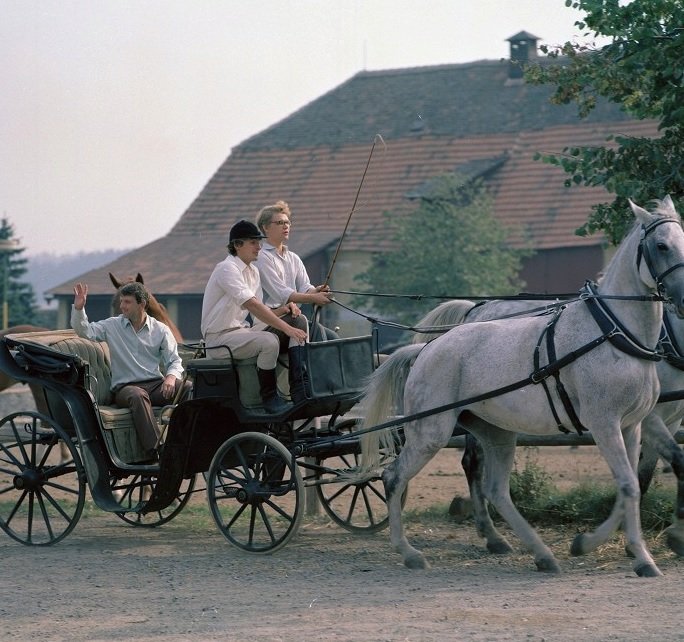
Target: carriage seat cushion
<point>96,353</point>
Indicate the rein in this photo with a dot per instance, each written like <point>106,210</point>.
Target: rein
<point>540,311</point>
<point>535,377</point>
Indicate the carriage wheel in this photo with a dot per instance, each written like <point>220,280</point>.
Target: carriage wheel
<point>255,492</point>
<point>41,494</point>
<point>359,508</point>
<point>131,491</point>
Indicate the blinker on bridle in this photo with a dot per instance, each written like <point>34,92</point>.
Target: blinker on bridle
<point>642,251</point>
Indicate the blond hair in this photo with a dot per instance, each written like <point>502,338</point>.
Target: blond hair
<point>266,214</point>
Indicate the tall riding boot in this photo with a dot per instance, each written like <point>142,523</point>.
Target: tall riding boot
<point>298,376</point>
<point>272,402</point>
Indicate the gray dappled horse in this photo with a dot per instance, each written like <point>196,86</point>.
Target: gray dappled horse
<point>609,376</point>
<point>657,428</point>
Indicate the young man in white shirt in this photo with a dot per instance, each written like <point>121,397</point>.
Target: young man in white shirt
<point>285,280</point>
<point>233,292</point>
<point>138,346</point>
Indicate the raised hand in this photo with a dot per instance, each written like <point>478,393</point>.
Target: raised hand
<point>80,295</point>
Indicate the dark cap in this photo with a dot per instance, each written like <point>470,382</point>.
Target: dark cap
<point>244,230</point>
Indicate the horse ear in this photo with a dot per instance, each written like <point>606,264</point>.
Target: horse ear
<point>669,205</point>
<point>115,282</point>
<point>642,215</point>
<point>139,278</point>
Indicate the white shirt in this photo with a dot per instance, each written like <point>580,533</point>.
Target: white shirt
<point>231,284</point>
<point>281,275</point>
<point>135,356</point>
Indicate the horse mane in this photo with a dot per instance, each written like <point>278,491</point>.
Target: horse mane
<point>664,207</point>
<point>154,308</point>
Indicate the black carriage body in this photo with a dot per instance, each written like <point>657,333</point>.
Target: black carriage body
<point>337,371</point>
<point>197,428</point>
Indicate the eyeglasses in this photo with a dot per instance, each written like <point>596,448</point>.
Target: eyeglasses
<point>281,223</point>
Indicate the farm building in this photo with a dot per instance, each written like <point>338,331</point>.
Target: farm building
<point>478,119</point>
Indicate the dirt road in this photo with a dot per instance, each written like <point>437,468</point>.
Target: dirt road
<point>183,581</point>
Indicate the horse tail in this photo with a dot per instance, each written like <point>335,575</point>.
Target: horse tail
<point>444,317</point>
<point>382,399</point>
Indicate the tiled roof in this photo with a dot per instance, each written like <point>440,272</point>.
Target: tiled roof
<point>433,120</point>
<point>457,101</point>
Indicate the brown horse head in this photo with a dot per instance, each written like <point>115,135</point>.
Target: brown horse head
<point>154,308</point>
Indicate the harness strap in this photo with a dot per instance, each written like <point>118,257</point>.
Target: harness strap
<point>620,337</point>
<point>560,388</point>
<point>671,351</point>
<point>675,395</point>
<point>549,399</point>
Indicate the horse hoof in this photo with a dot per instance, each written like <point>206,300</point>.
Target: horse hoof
<point>648,570</point>
<point>547,565</point>
<point>674,542</point>
<point>577,546</point>
<point>460,509</point>
<point>416,562</point>
<point>499,547</point>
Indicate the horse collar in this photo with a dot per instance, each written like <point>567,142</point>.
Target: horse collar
<point>619,336</point>
<point>669,347</point>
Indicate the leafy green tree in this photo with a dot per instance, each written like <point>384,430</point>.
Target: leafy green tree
<point>450,246</point>
<point>19,295</point>
<point>641,69</point>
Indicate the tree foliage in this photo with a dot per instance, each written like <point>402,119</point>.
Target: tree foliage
<point>19,295</point>
<point>641,69</point>
<point>450,246</point>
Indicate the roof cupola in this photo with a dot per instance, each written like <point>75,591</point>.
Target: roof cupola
<point>523,51</point>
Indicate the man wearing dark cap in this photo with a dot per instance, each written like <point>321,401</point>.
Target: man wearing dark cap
<point>233,292</point>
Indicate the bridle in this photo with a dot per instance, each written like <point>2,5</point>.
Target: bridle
<point>642,251</point>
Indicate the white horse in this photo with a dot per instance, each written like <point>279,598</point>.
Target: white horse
<point>657,428</point>
<point>484,377</point>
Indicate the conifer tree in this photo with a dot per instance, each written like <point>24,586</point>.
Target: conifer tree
<point>17,294</point>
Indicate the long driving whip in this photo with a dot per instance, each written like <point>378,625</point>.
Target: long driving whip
<point>377,138</point>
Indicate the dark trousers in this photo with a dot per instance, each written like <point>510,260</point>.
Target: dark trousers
<point>140,396</point>
<point>296,322</point>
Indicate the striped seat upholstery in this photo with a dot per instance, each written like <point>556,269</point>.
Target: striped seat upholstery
<point>118,422</point>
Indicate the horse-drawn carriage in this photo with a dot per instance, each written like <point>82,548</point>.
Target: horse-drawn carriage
<point>493,378</point>
<point>256,466</point>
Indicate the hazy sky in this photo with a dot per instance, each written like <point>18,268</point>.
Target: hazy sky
<point>115,113</point>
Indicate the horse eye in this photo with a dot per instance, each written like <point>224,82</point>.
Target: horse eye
<point>662,247</point>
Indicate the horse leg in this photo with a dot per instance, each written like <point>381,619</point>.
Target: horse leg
<point>415,453</point>
<point>498,447</point>
<point>621,452</point>
<point>472,463</point>
<point>587,542</point>
<point>658,440</point>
